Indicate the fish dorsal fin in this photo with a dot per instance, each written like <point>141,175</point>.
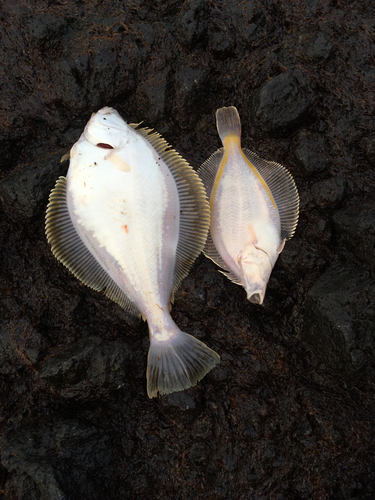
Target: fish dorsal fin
<point>194,208</point>
<point>135,125</point>
<point>208,170</point>
<point>70,250</point>
<point>283,189</point>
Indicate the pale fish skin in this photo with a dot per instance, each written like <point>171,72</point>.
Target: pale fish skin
<point>130,218</point>
<point>254,208</point>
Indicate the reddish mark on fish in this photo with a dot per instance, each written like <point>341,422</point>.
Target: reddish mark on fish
<point>251,230</point>
<point>159,307</point>
<point>84,184</point>
<point>125,227</point>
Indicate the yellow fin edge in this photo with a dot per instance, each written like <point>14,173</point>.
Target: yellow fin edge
<point>231,141</point>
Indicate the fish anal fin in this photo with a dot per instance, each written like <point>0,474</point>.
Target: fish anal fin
<point>283,189</point>
<point>69,249</point>
<point>233,277</point>
<point>211,252</point>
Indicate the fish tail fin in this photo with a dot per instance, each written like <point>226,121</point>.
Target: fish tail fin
<point>228,122</point>
<point>177,363</point>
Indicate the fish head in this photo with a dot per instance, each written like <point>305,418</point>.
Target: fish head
<point>256,268</point>
<point>107,130</point>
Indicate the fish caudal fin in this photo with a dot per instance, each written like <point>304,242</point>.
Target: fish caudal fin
<point>177,363</point>
<point>228,122</point>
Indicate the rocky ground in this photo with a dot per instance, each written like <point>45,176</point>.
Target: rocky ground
<point>290,411</point>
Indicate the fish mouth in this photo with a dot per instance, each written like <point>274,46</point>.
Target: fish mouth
<point>102,145</point>
<point>255,298</point>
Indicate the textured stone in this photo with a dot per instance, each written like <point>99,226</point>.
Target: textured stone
<point>317,46</point>
<point>24,192</point>
<point>355,227</point>
<point>341,335</point>
<point>283,104</point>
<point>87,369</point>
<point>309,153</point>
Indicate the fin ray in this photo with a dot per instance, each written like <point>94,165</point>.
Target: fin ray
<point>283,189</point>
<point>70,250</point>
<point>194,208</point>
<point>228,122</point>
<point>211,252</point>
<point>65,157</point>
<point>208,170</point>
<point>232,277</point>
<point>177,363</point>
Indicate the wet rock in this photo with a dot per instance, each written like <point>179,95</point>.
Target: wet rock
<point>328,192</point>
<point>27,342</point>
<point>221,40</point>
<point>192,298</point>
<point>67,87</point>
<point>40,458</point>
<point>252,409</point>
<point>90,368</point>
<point>317,46</point>
<point>340,333</point>
<point>181,406</point>
<point>191,27</point>
<point>309,153</point>
<point>47,27</point>
<point>355,228</point>
<point>369,148</point>
<point>9,359</point>
<point>151,96</point>
<point>283,104</point>
<point>104,66</point>
<point>190,85</point>
<point>24,192</point>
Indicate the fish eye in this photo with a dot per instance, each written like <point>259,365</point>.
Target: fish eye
<point>255,298</point>
<point>104,146</point>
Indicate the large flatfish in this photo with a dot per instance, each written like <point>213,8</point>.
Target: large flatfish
<point>129,219</point>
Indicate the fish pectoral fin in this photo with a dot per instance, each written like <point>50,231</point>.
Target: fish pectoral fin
<point>283,189</point>
<point>69,249</point>
<point>65,157</point>
<point>177,363</point>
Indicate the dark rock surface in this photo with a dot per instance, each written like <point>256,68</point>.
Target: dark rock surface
<point>289,413</point>
<point>283,103</point>
<point>309,153</point>
<point>355,228</point>
<point>339,319</point>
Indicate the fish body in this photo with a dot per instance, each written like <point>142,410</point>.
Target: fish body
<point>130,218</point>
<point>253,206</point>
